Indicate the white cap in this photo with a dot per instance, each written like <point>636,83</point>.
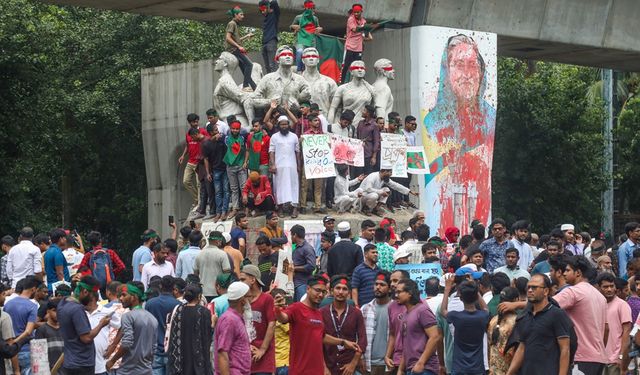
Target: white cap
<point>567,227</point>
<point>343,226</point>
<point>283,118</point>
<point>237,290</point>
<point>227,237</point>
<point>400,253</point>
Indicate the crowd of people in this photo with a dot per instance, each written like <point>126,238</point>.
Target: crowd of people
<point>512,303</point>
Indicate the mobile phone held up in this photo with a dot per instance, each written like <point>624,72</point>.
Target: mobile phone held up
<point>171,220</point>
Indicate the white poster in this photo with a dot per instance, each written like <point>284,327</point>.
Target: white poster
<point>393,154</point>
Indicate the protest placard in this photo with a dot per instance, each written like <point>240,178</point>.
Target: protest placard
<point>416,161</point>
<point>313,229</point>
<point>347,150</point>
<point>39,357</point>
<point>393,154</point>
<point>221,226</point>
<point>317,156</point>
<point>421,272</point>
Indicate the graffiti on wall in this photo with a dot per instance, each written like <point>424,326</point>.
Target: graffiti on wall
<point>458,108</point>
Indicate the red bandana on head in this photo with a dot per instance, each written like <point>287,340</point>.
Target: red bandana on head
<point>356,67</point>
<point>309,5</point>
<point>343,281</point>
<point>321,282</point>
<point>381,278</point>
<point>388,68</point>
<point>357,8</point>
<point>263,8</point>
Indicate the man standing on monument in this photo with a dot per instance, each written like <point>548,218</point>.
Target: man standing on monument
<point>305,27</point>
<point>284,163</point>
<point>354,44</point>
<point>233,44</point>
<point>271,12</point>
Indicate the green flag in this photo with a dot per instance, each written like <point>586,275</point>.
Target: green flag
<point>331,52</point>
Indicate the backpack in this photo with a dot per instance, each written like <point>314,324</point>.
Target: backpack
<point>101,267</point>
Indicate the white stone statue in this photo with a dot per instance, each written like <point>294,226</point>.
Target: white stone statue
<point>321,87</point>
<point>282,85</point>
<point>227,96</point>
<point>353,95</point>
<point>383,96</point>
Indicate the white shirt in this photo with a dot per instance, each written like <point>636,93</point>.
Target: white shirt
<point>488,296</point>
<point>151,269</point>
<point>74,258</point>
<point>525,252</point>
<point>434,302</point>
<point>411,137</point>
<point>341,186</point>
<point>374,184</point>
<point>323,122</point>
<point>222,126</point>
<point>285,148</point>
<point>101,341</point>
<point>24,259</point>
<point>362,242</point>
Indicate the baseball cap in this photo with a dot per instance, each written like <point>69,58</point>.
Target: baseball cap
<point>252,270</point>
<point>344,226</point>
<point>463,271</point>
<point>327,219</point>
<point>237,290</point>
<point>400,253</point>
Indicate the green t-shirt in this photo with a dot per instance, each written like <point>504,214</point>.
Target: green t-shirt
<point>234,30</point>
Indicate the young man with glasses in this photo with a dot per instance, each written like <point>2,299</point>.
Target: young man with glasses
<point>494,249</point>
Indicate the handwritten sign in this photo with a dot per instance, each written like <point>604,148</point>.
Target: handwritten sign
<point>313,229</point>
<point>393,154</point>
<point>421,272</point>
<point>39,357</point>
<point>317,156</point>
<point>221,226</point>
<point>347,150</point>
<point>416,160</point>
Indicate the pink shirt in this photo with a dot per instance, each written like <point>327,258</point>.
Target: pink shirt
<point>587,308</point>
<point>231,337</point>
<point>618,313</point>
<point>354,38</point>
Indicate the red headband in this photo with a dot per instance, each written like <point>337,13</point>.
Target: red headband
<point>343,281</point>
<point>309,5</point>
<point>235,124</point>
<point>388,68</point>
<point>357,8</point>
<point>357,68</point>
<point>263,8</point>
<point>321,282</point>
<point>381,278</point>
<point>283,53</point>
<point>309,56</point>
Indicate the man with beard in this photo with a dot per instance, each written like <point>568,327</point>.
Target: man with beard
<point>23,313</point>
<point>236,159</point>
<point>284,163</point>
<point>346,322</point>
<point>79,351</point>
<point>376,318</point>
<point>306,330</point>
<point>619,323</point>
<point>376,188</point>
<point>158,266</point>
<point>139,331</point>
<point>396,316</point>
<point>142,255</point>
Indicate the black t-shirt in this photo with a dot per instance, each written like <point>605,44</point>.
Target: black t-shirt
<point>214,152</point>
<point>264,265</point>
<point>539,334</point>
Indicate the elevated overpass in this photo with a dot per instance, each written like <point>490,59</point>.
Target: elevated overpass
<point>600,33</point>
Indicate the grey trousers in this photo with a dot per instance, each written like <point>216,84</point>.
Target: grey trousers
<point>237,179</point>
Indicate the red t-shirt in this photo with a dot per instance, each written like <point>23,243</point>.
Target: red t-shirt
<point>263,314</point>
<point>306,330</point>
<point>193,147</point>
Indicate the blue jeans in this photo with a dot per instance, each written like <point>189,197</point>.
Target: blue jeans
<point>159,366</point>
<point>221,186</point>
<point>299,62</point>
<point>284,370</point>
<point>24,359</point>
<point>300,290</point>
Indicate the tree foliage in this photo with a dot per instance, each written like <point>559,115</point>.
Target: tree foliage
<point>549,147</point>
<point>627,134</point>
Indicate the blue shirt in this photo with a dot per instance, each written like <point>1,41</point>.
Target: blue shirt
<point>363,279</point>
<point>221,304</point>
<point>270,23</point>
<point>185,261</point>
<point>470,328</point>
<point>53,258</point>
<point>304,255</point>
<point>22,312</point>
<point>160,307</point>
<point>493,253</point>
<point>542,267</point>
<point>74,322</point>
<point>142,255</point>
<point>236,234</point>
<point>625,253</point>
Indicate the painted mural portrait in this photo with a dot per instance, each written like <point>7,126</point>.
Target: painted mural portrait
<point>458,136</point>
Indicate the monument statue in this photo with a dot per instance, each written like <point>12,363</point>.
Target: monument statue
<point>321,87</point>
<point>228,98</point>
<point>383,96</point>
<point>353,95</point>
<point>282,85</point>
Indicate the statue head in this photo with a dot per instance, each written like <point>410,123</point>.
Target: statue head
<point>310,57</point>
<point>358,70</point>
<point>226,60</point>
<point>285,56</point>
<point>383,67</point>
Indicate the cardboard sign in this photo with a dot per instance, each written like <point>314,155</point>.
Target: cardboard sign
<point>393,154</point>
<point>416,160</point>
<point>347,150</point>
<point>317,156</point>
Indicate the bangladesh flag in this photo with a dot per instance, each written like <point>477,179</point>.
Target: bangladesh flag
<point>331,52</point>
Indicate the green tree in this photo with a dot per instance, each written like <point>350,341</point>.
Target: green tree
<point>548,148</point>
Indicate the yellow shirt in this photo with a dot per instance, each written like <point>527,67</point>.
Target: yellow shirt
<point>282,344</point>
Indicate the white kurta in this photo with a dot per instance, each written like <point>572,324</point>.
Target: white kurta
<point>285,180</point>
<point>373,187</point>
<point>343,197</point>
